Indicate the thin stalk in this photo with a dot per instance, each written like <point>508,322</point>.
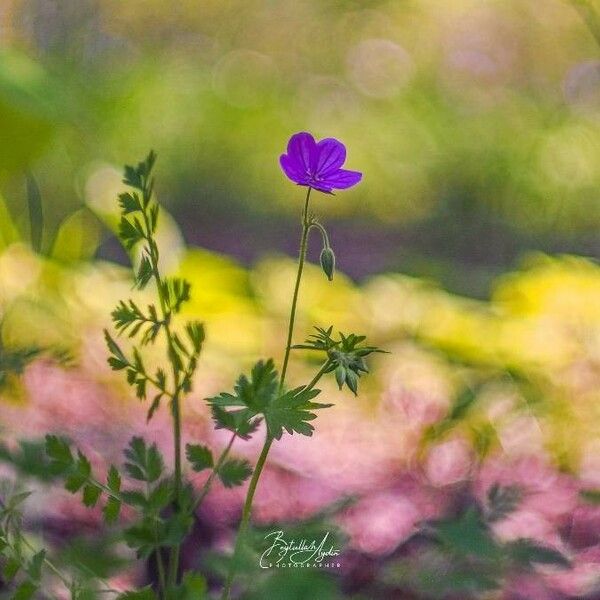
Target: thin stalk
<point>206,487</point>
<point>247,510</point>
<point>175,404</point>
<point>318,376</point>
<point>246,514</point>
<point>301,259</point>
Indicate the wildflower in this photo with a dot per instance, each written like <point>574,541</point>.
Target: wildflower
<point>317,164</point>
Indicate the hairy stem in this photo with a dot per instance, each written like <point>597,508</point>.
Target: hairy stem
<point>247,510</point>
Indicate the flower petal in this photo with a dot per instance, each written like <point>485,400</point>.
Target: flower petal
<point>321,186</point>
<point>292,168</point>
<point>331,155</point>
<point>341,179</point>
<point>302,149</point>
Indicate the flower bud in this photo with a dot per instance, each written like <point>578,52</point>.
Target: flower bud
<point>328,262</point>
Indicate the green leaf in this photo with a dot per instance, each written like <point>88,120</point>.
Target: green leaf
<point>36,215</point>
<point>154,407</point>
<point>134,498</point>
<point>10,569</point>
<point>467,535</point>
<point>34,570</point>
<point>195,332</point>
<point>111,510</point>
<point>144,273</point>
<point>160,497</point>
<point>176,291</point>
<point>234,472</point>
<point>25,591</point>
<point>292,411</point>
<point>237,421</point>
<point>91,494</point>
<point>591,496</point>
<point>200,457</point>
<point>144,464</point>
<point>81,474</point>
<point>129,202</point>
<point>113,480</point>
<point>142,537</point>
<point>117,360</point>
<point>59,451</point>
<point>131,232</point>
<point>193,587</point>
<point>527,552</point>
<point>259,394</point>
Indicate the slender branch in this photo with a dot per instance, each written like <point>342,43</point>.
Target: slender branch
<point>63,578</point>
<point>175,405</point>
<point>301,259</point>
<point>318,376</point>
<point>246,515</point>
<point>247,510</point>
<point>206,487</point>
<point>323,231</point>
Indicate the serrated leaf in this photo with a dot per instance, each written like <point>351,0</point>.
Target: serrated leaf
<point>234,472</point>
<point>111,510</point>
<point>59,450</point>
<point>144,464</point>
<point>134,498</point>
<point>292,411</point>
<point>113,480</point>
<point>91,494</point>
<point>160,496</point>
<point>129,202</point>
<point>144,273</point>
<point>154,407</point>
<point>200,457</point>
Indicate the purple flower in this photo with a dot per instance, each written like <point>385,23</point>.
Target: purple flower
<point>317,165</point>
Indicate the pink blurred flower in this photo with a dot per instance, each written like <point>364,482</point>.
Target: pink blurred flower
<point>379,523</point>
<point>448,462</point>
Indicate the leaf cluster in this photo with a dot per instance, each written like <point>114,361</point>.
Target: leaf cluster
<point>346,355</point>
<point>231,472</point>
<point>258,396</point>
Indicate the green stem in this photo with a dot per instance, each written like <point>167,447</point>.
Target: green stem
<point>247,510</point>
<point>323,231</point>
<point>301,259</point>
<point>318,376</point>
<point>246,515</point>
<point>206,487</point>
<point>175,405</point>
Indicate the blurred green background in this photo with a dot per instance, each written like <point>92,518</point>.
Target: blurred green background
<point>476,123</point>
<point>471,248</point>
